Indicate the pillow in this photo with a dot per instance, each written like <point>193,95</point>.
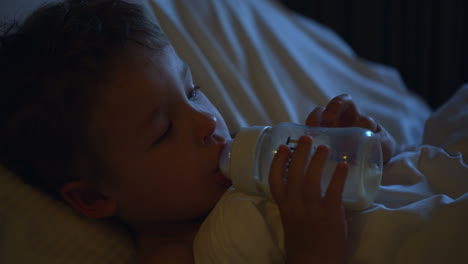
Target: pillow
<point>37,229</point>
<point>259,63</point>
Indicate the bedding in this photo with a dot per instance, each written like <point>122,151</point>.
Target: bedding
<point>259,63</point>
<point>419,214</point>
<point>421,211</point>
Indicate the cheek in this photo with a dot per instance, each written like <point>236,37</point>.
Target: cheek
<point>177,166</point>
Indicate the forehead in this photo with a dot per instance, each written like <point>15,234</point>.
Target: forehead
<point>138,71</point>
<point>137,81</point>
<point>142,62</point>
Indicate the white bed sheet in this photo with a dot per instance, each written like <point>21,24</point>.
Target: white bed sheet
<point>421,211</point>
<point>420,214</point>
<point>260,64</point>
<point>263,64</point>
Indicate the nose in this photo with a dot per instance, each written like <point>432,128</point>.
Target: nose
<point>205,126</point>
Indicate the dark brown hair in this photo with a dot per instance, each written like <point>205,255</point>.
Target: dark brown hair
<point>50,68</point>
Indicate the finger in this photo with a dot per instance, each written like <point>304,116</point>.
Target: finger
<point>340,111</point>
<point>367,122</point>
<point>277,170</point>
<point>315,117</point>
<point>350,114</point>
<point>297,169</point>
<point>334,108</point>
<point>335,188</point>
<point>312,185</point>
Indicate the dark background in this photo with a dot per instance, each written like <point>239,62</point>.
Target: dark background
<point>426,40</point>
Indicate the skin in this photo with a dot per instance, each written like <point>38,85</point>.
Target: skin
<point>314,226</point>
<point>304,213</point>
<point>160,139</point>
<point>341,111</point>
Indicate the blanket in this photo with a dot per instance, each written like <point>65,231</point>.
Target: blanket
<point>420,214</point>
<point>259,63</point>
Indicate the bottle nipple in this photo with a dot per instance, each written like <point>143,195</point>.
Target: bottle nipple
<point>224,161</point>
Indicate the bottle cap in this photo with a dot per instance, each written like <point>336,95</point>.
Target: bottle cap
<point>243,159</point>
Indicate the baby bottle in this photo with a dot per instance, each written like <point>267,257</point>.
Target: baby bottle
<point>247,159</point>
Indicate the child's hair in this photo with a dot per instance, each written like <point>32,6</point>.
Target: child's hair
<point>50,68</point>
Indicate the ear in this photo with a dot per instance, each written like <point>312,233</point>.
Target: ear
<point>88,202</point>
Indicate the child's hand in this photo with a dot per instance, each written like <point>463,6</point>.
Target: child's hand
<point>341,111</point>
<point>314,226</point>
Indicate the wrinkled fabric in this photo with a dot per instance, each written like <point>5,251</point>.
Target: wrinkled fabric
<point>420,214</point>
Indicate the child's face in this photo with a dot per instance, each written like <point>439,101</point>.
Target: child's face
<point>161,140</point>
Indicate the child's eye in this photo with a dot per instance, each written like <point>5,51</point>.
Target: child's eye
<point>193,93</point>
<point>164,135</point>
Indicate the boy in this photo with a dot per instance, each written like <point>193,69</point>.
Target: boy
<point>115,127</point>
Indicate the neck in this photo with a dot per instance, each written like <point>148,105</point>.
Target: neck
<point>159,238</point>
